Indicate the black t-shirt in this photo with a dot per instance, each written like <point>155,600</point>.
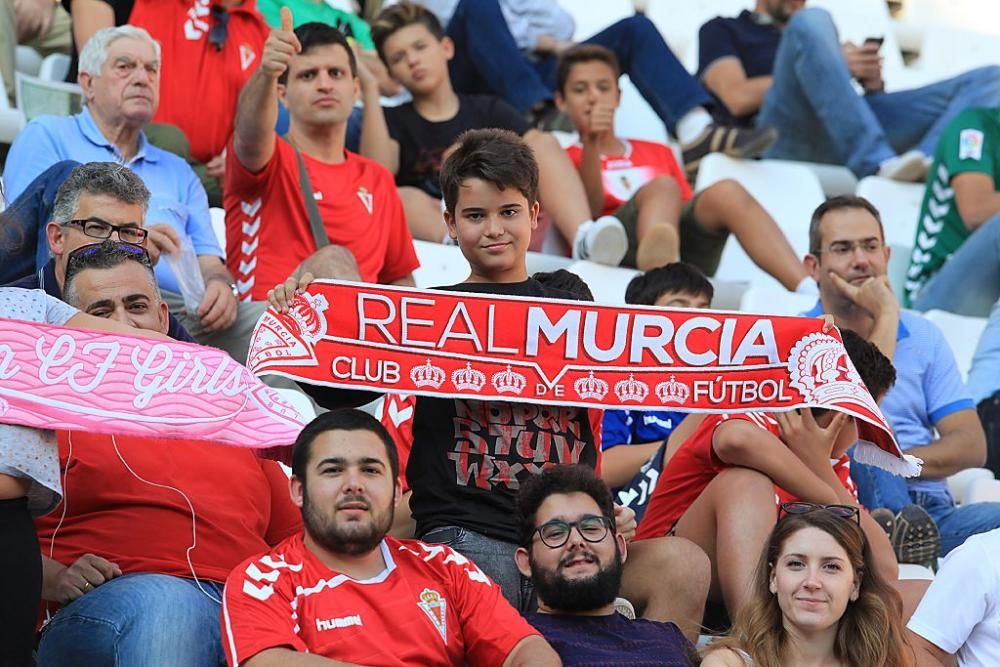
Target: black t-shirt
<point>122,10</point>
<point>596,641</point>
<point>469,457</point>
<point>422,143</point>
<point>754,44</point>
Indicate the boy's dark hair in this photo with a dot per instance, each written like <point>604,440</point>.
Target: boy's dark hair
<point>567,281</point>
<point>393,19</point>
<point>496,156</point>
<point>341,419</point>
<point>681,277</point>
<point>584,53</point>
<point>875,369</point>
<point>575,478</point>
<point>315,34</point>
<point>839,203</point>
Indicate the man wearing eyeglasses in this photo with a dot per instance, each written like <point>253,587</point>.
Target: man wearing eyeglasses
<point>929,407</point>
<point>120,78</point>
<point>97,201</point>
<point>570,549</point>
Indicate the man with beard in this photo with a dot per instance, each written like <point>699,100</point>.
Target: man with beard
<point>574,556</point>
<point>345,593</point>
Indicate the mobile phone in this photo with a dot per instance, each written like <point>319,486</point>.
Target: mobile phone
<point>877,41</point>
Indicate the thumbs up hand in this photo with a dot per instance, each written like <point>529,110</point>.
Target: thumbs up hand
<point>280,47</point>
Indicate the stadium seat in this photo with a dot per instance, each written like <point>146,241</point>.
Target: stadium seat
<point>219,225</point>
<point>37,97</point>
<point>984,491</point>
<point>55,67</point>
<point>912,571</point>
<point>899,262</point>
<point>899,205</point>
<point>775,301</point>
<point>787,190</point>
<point>962,334</point>
<point>960,484</point>
<point>439,264</point>
<point>27,60</point>
<point>11,120</point>
<point>608,283</point>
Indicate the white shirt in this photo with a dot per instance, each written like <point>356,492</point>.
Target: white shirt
<point>960,613</point>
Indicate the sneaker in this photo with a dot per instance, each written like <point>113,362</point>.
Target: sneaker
<point>910,167</point>
<point>915,537</point>
<point>603,241</point>
<point>625,608</point>
<point>732,141</point>
<point>885,519</point>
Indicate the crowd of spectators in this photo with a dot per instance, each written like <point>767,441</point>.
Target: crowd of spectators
<point>668,538</point>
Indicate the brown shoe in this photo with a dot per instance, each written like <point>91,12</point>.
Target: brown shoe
<point>743,142</point>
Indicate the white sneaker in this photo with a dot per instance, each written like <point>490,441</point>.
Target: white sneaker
<point>603,241</point>
<point>910,167</point>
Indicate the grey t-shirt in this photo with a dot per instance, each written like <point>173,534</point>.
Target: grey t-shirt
<point>27,452</point>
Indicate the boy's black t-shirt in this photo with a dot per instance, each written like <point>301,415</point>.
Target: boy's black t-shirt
<point>469,457</point>
<point>422,143</point>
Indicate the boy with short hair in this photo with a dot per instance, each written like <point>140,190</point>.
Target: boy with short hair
<point>490,187</point>
<point>411,140</point>
<point>635,442</point>
<point>640,183</point>
<point>720,487</point>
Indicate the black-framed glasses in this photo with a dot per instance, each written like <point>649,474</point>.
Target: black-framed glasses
<point>591,527</point>
<point>101,229</point>
<point>842,511</point>
<point>82,253</point>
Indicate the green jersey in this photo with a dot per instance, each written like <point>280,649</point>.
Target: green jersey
<point>970,143</point>
<point>307,11</point>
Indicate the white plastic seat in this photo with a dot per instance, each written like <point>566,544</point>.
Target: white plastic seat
<point>960,484</point>
<point>984,491</point>
<point>37,97</point>
<point>962,334</point>
<point>914,572</point>
<point>27,60</point>
<point>439,264</point>
<point>54,67</point>
<point>770,301</point>
<point>899,205</point>
<point>788,191</point>
<point>218,216</point>
<point>608,283</point>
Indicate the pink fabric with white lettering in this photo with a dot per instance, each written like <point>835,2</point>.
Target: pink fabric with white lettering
<point>59,378</point>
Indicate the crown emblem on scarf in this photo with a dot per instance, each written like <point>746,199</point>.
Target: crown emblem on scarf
<point>468,378</point>
<point>509,382</point>
<point>591,387</point>
<point>427,375</point>
<point>673,391</point>
<point>631,390</point>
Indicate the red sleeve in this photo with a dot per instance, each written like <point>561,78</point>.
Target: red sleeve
<point>239,180</point>
<point>396,414</point>
<point>401,257</point>
<point>286,519</point>
<point>490,626</point>
<point>256,614</point>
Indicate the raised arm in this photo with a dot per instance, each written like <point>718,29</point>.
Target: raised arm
<point>89,16</point>
<point>376,144</point>
<point>976,197</point>
<point>257,110</point>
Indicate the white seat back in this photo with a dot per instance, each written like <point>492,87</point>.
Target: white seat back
<point>899,205</point>
<point>962,334</point>
<point>769,301</point>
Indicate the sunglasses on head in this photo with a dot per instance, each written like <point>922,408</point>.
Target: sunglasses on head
<point>842,511</point>
<point>136,251</point>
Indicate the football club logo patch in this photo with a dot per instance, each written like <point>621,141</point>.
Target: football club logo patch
<point>436,609</point>
<point>247,56</point>
<point>366,198</point>
<point>970,145</point>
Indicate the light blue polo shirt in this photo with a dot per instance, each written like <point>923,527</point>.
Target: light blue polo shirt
<point>177,196</point>
<point>928,388</point>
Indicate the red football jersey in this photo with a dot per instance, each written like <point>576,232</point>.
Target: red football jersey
<point>267,226</point>
<point>430,606</point>
<point>695,464</point>
<point>623,175</point>
<point>199,81</point>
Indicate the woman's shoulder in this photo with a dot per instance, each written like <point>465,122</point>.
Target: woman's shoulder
<point>727,657</point>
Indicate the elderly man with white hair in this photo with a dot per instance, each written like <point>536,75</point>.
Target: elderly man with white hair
<point>120,78</point>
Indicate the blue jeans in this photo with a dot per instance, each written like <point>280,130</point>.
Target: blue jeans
<point>969,282</point>
<point>820,117</point>
<point>137,620</point>
<point>487,60</point>
<point>494,557</point>
<point>878,488</point>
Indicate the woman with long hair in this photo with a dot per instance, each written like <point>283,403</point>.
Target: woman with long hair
<point>817,600</point>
